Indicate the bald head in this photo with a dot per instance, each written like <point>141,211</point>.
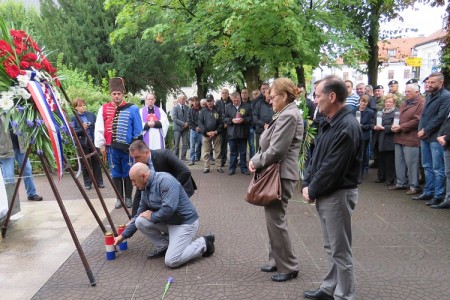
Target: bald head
<point>139,175</point>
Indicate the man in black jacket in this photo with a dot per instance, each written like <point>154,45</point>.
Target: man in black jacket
<point>220,106</point>
<point>162,160</point>
<point>331,182</point>
<point>210,126</point>
<point>262,116</point>
<point>238,118</point>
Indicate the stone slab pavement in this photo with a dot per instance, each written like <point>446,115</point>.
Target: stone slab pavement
<point>401,249</point>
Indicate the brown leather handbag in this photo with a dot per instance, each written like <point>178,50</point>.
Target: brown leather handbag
<point>265,186</point>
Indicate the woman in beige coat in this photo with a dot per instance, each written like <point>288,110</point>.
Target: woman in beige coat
<point>281,141</point>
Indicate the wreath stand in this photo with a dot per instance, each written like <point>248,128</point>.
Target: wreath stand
<point>47,170</point>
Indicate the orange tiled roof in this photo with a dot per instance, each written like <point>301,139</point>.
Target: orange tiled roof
<point>433,37</point>
<point>403,48</point>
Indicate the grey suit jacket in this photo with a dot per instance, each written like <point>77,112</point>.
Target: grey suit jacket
<point>281,141</point>
<point>179,117</point>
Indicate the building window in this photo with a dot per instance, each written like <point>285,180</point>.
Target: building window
<point>391,74</point>
<point>392,52</point>
<point>345,76</point>
<point>407,74</point>
<point>414,52</point>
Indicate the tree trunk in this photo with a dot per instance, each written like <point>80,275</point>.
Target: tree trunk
<point>300,71</point>
<point>251,76</point>
<point>202,85</point>
<point>372,43</point>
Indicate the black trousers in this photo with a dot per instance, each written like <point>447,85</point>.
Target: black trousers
<point>95,166</point>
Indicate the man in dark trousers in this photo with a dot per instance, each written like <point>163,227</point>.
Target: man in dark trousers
<point>162,160</point>
<point>433,115</point>
<point>220,106</point>
<point>331,182</point>
<point>238,118</point>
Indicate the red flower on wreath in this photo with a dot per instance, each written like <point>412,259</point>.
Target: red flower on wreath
<point>11,68</point>
<point>5,48</point>
<point>48,66</point>
<point>18,34</point>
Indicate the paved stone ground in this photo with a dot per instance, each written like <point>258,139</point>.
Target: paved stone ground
<point>401,250</point>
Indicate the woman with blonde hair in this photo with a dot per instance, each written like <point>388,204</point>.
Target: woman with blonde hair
<point>280,142</point>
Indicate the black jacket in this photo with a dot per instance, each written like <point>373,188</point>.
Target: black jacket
<point>337,157</point>
<point>445,130</point>
<point>193,118</point>
<point>434,113</point>
<point>220,105</point>
<point>91,118</point>
<point>238,131</point>
<point>209,120</point>
<point>367,122</point>
<point>262,114</point>
<point>384,139</point>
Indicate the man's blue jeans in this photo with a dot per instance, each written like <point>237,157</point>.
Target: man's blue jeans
<point>238,147</point>
<point>196,146</point>
<point>433,164</point>
<point>27,173</point>
<point>251,142</point>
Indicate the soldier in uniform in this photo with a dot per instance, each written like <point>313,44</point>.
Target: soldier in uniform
<point>118,124</point>
<point>393,89</point>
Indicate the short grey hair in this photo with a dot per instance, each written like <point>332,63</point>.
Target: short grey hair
<point>415,87</point>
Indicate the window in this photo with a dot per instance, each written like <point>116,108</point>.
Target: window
<point>345,75</point>
<point>392,52</point>
<point>391,74</point>
<point>407,74</point>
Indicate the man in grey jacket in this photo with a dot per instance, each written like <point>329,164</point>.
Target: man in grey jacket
<point>166,208</point>
<point>180,126</point>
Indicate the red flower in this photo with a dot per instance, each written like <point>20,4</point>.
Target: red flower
<point>5,48</point>
<point>18,34</point>
<point>30,57</point>
<point>37,66</point>
<point>35,46</point>
<point>11,69</point>
<point>48,66</point>
<point>24,64</point>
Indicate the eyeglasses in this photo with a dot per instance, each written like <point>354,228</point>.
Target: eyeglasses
<point>273,97</point>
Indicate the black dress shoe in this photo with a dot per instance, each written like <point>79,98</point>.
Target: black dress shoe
<point>232,172</point>
<point>284,277</point>
<point>35,198</point>
<point>209,240</point>
<point>220,170</point>
<point>88,187</point>
<point>379,181</point>
<point>434,201</point>
<point>444,204</point>
<point>317,294</point>
<point>206,171</point>
<point>423,197</point>
<point>245,172</point>
<point>156,254</point>
<point>101,185</point>
<point>268,268</point>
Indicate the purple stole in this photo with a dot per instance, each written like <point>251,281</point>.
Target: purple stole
<point>158,116</point>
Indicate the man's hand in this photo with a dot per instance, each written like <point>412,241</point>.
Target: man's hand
<point>305,193</point>
<point>118,240</point>
<point>146,214</point>
<point>251,167</point>
<point>441,140</point>
<point>103,152</point>
<point>395,128</point>
<point>151,124</point>
<point>421,134</point>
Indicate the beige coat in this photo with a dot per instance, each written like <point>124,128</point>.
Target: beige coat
<point>281,141</point>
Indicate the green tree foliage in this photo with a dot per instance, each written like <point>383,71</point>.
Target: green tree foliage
<point>248,36</point>
<point>81,30</point>
<point>16,14</point>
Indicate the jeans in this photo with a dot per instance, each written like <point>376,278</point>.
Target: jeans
<point>27,173</point>
<point>447,173</point>
<point>433,164</point>
<point>196,145</point>
<point>238,147</point>
<point>7,168</point>
<point>251,142</point>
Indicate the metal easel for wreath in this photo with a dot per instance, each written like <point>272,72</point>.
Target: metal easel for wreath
<point>47,170</point>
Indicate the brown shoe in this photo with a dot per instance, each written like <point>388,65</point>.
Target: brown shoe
<point>412,192</point>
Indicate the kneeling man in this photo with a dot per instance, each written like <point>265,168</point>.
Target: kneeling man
<point>167,217</point>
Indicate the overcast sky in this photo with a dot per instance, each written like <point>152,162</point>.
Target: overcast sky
<point>425,18</point>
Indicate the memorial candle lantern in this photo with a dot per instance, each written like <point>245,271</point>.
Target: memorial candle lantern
<point>109,245</point>
<point>379,115</point>
<point>358,116</point>
<point>396,118</point>
<point>124,244</point>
